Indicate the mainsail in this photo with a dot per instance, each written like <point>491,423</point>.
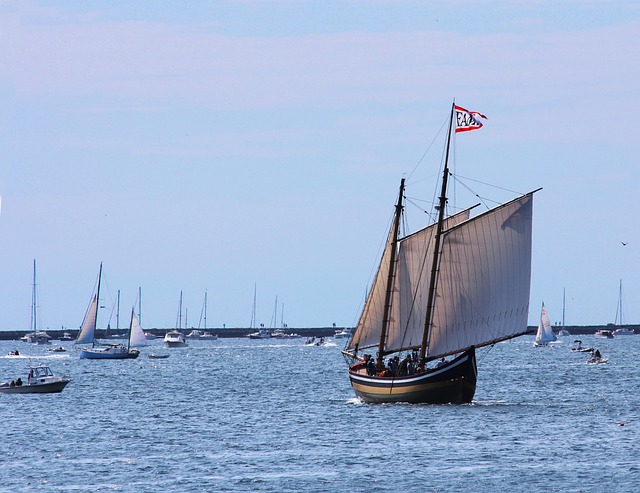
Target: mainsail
<point>545,334</point>
<point>90,322</point>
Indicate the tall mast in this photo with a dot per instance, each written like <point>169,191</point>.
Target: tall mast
<point>390,278</point>
<point>130,327</point>
<point>436,250</point>
<point>118,314</point>
<point>95,320</point>
<point>205,309</point>
<point>34,325</point>
<point>140,304</point>
<point>564,292</point>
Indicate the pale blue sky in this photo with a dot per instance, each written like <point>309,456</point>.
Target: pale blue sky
<point>218,145</point>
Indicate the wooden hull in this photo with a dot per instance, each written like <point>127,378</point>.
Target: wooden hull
<point>452,383</point>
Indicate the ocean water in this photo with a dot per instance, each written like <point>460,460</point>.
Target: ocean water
<point>239,415</point>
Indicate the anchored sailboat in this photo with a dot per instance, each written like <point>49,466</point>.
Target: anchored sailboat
<point>88,330</point>
<point>456,285</point>
<point>545,334</point>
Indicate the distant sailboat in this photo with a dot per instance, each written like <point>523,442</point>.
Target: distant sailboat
<point>621,331</point>
<point>456,285</point>
<point>202,334</point>
<point>88,330</point>
<point>562,331</point>
<point>545,333</point>
<point>36,336</point>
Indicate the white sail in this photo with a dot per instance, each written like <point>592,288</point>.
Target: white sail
<point>412,281</point>
<point>545,334</point>
<point>136,334</point>
<point>88,329</point>
<point>482,292</point>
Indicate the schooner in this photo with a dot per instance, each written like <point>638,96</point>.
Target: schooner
<point>441,292</point>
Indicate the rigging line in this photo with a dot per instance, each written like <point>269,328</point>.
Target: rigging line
<point>491,185</point>
<point>455,178</point>
<point>428,149</point>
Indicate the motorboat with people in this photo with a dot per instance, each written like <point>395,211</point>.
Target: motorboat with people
<point>58,349</point>
<point>15,352</point>
<point>66,336</point>
<point>596,358</point>
<point>580,348</point>
<point>281,334</point>
<point>312,341</point>
<point>40,380</point>
<point>174,338</point>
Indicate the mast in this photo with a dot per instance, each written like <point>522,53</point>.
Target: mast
<point>205,309</point>
<point>390,278</point>
<point>95,319</point>
<point>436,250</point>
<point>130,328</point>
<point>140,305</point>
<point>118,313</point>
<point>34,324</point>
<point>564,292</point>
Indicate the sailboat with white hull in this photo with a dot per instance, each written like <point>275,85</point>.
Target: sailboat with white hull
<point>443,291</point>
<point>545,334</point>
<point>104,351</point>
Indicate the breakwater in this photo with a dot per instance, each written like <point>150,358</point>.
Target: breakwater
<point>55,334</point>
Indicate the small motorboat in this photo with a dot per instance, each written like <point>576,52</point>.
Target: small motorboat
<point>580,348</point>
<point>40,380</point>
<point>158,356</point>
<point>15,352</point>
<point>312,341</point>
<point>58,349</point>
<point>604,333</point>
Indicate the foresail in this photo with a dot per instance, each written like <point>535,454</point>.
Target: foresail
<point>136,337</point>
<point>87,331</point>
<point>369,326</point>
<point>482,292</point>
<point>412,285</point>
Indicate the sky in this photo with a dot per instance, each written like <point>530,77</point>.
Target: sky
<point>256,146</point>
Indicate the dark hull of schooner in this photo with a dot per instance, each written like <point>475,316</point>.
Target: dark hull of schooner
<point>452,383</point>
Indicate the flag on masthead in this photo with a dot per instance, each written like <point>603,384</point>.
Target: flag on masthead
<point>467,120</point>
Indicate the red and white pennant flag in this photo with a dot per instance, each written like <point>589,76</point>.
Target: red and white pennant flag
<point>467,120</point>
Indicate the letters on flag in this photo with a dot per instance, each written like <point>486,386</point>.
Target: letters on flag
<point>467,120</point>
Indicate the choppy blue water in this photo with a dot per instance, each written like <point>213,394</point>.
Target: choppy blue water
<point>242,415</point>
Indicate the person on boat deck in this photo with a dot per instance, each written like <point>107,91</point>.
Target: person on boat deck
<point>442,362</point>
<point>371,366</point>
<point>19,382</point>
<point>12,384</point>
<point>597,354</point>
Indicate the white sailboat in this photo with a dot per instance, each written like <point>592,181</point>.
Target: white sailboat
<point>88,331</point>
<point>445,290</point>
<point>545,333</point>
